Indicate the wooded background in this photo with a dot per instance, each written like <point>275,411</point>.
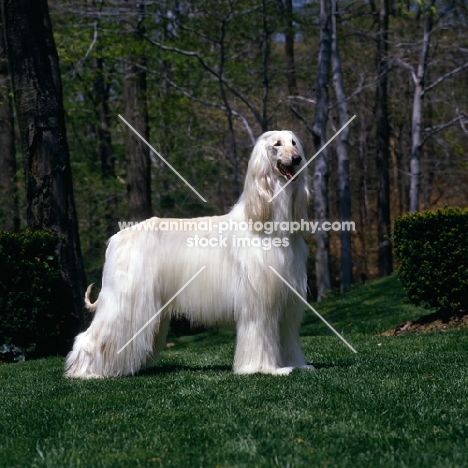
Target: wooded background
<point>202,80</point>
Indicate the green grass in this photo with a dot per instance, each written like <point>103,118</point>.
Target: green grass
<point>399,402</point>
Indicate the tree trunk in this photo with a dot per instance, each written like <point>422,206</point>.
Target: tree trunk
<point>416,125</point>
<point>344,193</point>
<point>101,100</point>
<point>37,87</point>
<point>106,151</point>
<point>385,260</point>
<point>289,47</point>
<point>136,112</point>
<point>227,105</point>
<point>321,172</point>
<point>9,215</point>
<point>265,62</point>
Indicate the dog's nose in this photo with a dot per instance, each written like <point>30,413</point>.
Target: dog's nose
<point>296,159</point>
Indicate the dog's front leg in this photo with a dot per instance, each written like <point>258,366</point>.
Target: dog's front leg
<point>290,323</point>
<point>258,346</point>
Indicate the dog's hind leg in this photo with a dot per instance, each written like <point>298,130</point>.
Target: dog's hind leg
<point>120,338</point>
<point>160,335</point>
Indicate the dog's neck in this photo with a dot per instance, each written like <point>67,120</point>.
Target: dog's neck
<point>279,211</point>
<point>281,207</point>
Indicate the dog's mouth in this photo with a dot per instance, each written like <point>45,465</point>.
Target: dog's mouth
<point>287,171</point>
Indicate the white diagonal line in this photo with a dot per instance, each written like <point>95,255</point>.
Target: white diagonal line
<point>313,157</point>
<point>162,159</point>
<point>161,309</point>
<point>312,309</point>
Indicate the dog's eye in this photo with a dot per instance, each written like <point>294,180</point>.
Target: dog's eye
<point>294,143</point>
<point>278,143</point>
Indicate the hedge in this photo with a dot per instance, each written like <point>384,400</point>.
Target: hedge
<point>433,251</point>
<point>34,314</point>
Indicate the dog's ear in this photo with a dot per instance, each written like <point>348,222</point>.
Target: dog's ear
<point>301,197</point>
<point>259,181</point>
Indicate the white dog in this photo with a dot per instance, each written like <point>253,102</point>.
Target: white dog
<point>147,266</point>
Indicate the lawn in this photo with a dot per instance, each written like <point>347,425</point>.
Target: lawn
<point>399,402</point>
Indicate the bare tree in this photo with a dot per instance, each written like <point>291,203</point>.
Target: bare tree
<point>419,135</point>
<point>321,171</point>
<point>9,215</point>
<point>418,97</point>
<point>344,193</point>
<point>34,67</point>
<point>385,259</point>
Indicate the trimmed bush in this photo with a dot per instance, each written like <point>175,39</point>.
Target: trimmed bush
<point>433,252</point>
<point>33,304</point>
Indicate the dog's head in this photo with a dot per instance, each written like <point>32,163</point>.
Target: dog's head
<point>285,153</point>
<point>277,160</point>
<point>278,157</point>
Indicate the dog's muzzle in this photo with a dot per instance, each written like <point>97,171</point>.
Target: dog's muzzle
<point>288,171</point>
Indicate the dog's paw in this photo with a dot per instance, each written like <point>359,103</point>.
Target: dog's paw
<point>246,370</point>
<point>282,370</point>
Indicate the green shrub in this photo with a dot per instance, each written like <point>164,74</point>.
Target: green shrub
<point>433,252</point>
<point>33,311</point>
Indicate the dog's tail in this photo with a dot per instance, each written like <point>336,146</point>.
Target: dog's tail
<point>91,306</point>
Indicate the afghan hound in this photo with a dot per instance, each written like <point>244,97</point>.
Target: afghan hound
<point>149,273</point>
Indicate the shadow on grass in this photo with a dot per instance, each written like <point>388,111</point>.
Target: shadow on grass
<point>170,368</point>
<point>210,337</point>
<point>331,365</point>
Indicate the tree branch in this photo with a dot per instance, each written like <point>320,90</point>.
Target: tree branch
<point>301,118</point>
<point>302,98</point>
<point>403,64</point>
<point>210,70</point>
<point>444,77</point>
<point>431,131</point>
<point>462,123</point>
<point>194,98</point>
<point>91,46</point>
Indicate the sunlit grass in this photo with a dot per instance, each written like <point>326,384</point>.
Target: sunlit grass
<point>401,401</point>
